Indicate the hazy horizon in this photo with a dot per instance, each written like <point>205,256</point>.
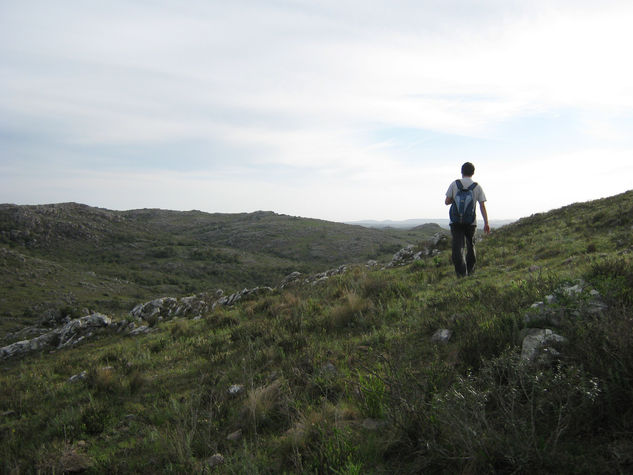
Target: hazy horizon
<point>344,111</point>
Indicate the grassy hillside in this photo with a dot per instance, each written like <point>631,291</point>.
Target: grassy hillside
<point>346,377</point>
<point>68,257</point>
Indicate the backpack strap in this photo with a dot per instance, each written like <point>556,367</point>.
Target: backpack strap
<point>459,185</point>
<point>472,187</point>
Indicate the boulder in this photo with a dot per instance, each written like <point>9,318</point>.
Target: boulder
<point>169,307</point>
<point>79,328</point>
<point>538,345</point>
<point>290,279</point>
<point>442,335</point>
<point>71,333</point>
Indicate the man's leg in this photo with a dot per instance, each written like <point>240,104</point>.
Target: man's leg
<point>458,249</point>
<point>471,257</point>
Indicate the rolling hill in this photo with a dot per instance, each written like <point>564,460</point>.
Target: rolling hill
<point>525,367</point>
<point>68,257</point>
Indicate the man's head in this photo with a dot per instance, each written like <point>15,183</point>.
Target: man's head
<point>468,169</point>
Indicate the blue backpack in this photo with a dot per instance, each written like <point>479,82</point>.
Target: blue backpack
<point>463,208</point>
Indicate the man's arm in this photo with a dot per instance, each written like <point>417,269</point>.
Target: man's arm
<point>448,200</point>
<point>484,213</point>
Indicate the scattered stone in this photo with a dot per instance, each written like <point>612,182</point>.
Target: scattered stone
<point>236,389</point>
<point>534,268</point>
<point>328,368</point>
<point>215,460</point>
<point>78,377</point>
<point>235,436</point>
<point>442,335</point>
<point>573,290</point>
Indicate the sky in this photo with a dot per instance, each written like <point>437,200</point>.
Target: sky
<point>337,110</point>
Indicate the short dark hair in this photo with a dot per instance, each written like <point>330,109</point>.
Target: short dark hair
<point>468,169</point>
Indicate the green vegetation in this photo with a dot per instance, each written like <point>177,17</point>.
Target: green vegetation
<point>55,257</point>
<point>344,377</point>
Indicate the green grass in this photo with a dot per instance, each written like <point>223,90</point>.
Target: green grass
<point>54,257</point>
<point>343,376</point>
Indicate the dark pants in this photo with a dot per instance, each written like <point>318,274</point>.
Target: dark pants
<point>463,234</point>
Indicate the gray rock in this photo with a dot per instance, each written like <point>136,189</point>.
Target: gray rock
<point>573,290</point>
<point>71,333</point>
<point>143,329</point>
<point>403,256</point>
<point>442,335</point>
<point>75,330</point>
<point>235,436</point>
<point>215,460</point>
<point>290,279</point>
<point>169,307</point>
<point>539,342</point>
<point>328,369</point>
<point>78,377</point>
<point>236,389</point>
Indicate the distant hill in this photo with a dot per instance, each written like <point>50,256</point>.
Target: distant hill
<point>75,256</point>
<point>414,223</point>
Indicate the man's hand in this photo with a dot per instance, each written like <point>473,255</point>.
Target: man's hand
<point>486,228</point>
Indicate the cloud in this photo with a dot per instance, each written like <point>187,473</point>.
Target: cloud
<point>297,98</point>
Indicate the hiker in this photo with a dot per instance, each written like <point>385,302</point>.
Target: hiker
<point>463,195</point>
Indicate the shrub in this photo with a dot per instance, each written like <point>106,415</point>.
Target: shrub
<point>379,288</point>
<point>136,381</point>
<point>321,442</point>
<point>513,417</point>
<point>372,394</point>
<point>103,380</point>
<point>95,417</point>
<point>614,279</point>
<point>348,313</point>
<point>266,405</point>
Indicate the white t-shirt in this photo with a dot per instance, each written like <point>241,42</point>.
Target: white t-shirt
<point>478,192</point>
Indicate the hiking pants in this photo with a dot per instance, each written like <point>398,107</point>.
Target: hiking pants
<point>463,235</point>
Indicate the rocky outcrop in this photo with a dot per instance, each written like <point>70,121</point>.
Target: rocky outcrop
<point>412,253</point>
<point>541,345</point>
<point>568,302</point>
<point>242,294</point>
<point>170,307</point>
<point>70,334</point>
<point>194,306</point>
<point>296,278</point>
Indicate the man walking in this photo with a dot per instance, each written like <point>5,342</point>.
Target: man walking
<point>463,195</point>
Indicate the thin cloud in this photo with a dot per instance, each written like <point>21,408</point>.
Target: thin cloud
<point>296,91</point>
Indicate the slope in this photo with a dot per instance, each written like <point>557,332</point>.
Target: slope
<point>67,257</point>
<point>351,375</point>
